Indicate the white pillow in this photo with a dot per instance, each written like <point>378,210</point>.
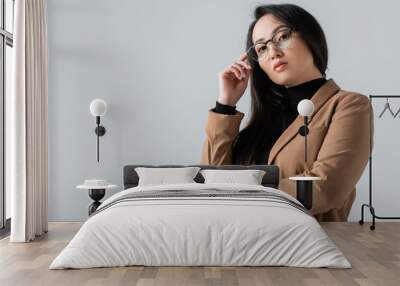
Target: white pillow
<point>249,177</point>
<point>162,176</point>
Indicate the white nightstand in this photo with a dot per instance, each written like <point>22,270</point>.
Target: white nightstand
<point>96,193</point>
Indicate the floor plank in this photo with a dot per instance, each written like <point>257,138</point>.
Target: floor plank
<point>374,255</point>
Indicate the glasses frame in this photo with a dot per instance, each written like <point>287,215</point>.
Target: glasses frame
<point>275,43</point>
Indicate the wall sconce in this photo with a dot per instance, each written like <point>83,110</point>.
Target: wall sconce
<point>98,107</point>
<point>305,109</point>
<point>304,184</point>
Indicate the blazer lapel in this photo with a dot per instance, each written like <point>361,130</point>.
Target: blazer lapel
<point>328,89</point>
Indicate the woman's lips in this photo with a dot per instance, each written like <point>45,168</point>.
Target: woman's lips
<point>281,67</point>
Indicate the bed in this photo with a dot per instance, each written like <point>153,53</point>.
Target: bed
<point>199,224</point>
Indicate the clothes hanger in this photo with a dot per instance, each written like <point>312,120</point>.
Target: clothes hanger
<point>387,107</point>
<point>398,111</point>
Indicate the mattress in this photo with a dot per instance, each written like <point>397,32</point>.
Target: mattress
<point>199,224</point>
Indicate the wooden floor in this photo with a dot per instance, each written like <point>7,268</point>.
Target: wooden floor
<point>374,255</point>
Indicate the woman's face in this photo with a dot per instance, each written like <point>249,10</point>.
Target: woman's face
<point>297,56</point>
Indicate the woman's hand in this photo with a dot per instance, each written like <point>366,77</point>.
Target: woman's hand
<point>233,81</point>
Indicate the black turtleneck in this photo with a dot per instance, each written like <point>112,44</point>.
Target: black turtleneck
<point>287,99</point>
<point>224,108</point>
<point>293,95</point>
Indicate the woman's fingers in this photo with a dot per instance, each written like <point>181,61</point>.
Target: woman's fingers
<point>239,68</point>
<point>243,56</point>
<point>244,64</point>
<point>233,72</point>
<point>236,72</point>
<point>243,67</point>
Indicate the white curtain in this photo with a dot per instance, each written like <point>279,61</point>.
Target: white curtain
<point>27,119</point>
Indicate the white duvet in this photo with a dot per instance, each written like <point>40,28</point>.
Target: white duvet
<point>200,231</point>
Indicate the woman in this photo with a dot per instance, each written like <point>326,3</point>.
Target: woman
<point>286,59</point>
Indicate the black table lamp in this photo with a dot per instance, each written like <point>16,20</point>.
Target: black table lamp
<point>304,187</point>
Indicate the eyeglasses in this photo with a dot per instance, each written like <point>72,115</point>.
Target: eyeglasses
<point>281,39</point>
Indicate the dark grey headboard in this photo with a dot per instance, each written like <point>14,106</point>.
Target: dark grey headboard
<point>270,179</point>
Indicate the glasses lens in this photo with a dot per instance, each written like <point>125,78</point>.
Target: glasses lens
<point>261,50</point>
<point>282,38</point>
<point>251,53</point>
<point>257,52</point>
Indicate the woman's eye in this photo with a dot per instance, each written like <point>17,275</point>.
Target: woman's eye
<point>283,36</point>
<point>261,49</point>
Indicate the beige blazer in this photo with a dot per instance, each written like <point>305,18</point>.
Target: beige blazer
<point>338,148</point>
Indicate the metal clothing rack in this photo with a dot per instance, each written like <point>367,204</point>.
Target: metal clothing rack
<point>369,205</point>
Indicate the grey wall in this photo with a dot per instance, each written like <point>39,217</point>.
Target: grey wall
<point>156,65</point>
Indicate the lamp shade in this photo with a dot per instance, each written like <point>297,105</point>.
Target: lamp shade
<point>305,107</point>
<point>98,107</point>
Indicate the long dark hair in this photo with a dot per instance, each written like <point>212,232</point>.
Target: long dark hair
<point>258,136</point>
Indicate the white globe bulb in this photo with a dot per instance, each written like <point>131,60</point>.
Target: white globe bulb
<point>98,107</point>
<point>305,107</point>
